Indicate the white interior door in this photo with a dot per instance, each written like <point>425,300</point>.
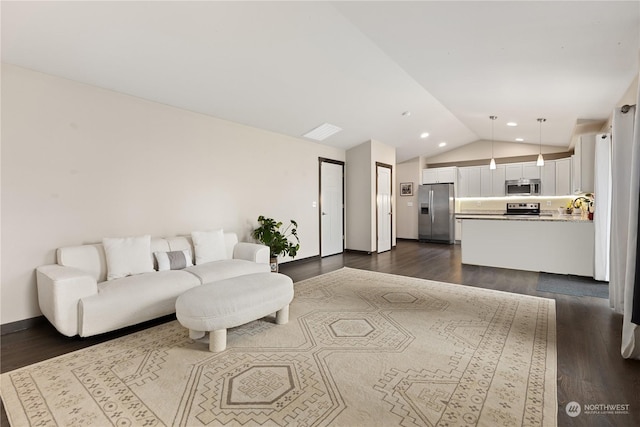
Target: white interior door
<point>384,209</point>
<point>331,209</point>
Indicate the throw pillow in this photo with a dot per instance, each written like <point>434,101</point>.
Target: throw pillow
<point>209,246</point>
<point>174,260</point>
<point>127,256</point>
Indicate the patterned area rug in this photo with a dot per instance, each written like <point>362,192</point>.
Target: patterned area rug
<point>360,349</point>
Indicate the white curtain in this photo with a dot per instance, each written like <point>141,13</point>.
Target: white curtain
<point>624,224</point>
<point>602,215</point>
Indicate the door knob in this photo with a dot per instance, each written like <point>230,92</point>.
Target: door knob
<point>324,213</point>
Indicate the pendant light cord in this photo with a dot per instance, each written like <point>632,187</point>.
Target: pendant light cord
<point>541,120</point>
<point>540,161</point>
<point>540,140</point>
<point>492,163</point>
<point>493,118</point>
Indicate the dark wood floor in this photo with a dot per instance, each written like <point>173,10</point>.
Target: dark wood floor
<point>590,368</point>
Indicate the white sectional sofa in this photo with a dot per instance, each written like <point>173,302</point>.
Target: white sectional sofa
<point>76,297</point>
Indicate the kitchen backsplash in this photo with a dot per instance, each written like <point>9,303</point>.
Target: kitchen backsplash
<point>473,204</point>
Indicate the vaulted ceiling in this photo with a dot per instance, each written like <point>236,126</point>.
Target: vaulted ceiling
<point>291,66</point>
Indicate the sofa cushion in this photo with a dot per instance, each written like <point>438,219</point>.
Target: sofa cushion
<point>209,246</point>
<point>173,260</point>
<point>127,256</point>
<point>159,244</point>
<point>131,300</point>
<point>226,269</point>
<point>88,258</point>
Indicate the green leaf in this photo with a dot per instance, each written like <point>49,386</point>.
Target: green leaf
<point>270,234</point>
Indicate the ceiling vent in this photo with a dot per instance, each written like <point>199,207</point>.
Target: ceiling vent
<point>322,132</point>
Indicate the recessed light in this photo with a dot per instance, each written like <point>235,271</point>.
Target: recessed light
<point>519,139</point>
<point>424,135</point>
<point>512,124</point>
<point>442,144</point>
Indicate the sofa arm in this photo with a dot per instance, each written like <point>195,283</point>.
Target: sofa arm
<point>59,290</point>
<point>251,252</point>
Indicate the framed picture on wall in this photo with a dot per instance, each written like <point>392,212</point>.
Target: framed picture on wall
<point>406,188</point>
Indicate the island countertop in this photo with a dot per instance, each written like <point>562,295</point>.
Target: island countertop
<point>500,216</point>
<point>560,244</point>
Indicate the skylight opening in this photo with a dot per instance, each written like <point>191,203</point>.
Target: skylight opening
<point>322,132</point>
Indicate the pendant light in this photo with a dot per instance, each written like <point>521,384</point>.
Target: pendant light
<point>540,161</point>
<point>492,163</point>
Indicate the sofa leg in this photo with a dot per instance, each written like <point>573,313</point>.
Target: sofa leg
<point>282,315</point>
<point>217,340</point>
<point>196,335</point>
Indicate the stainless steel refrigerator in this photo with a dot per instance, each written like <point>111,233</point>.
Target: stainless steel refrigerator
<point>436,217</point>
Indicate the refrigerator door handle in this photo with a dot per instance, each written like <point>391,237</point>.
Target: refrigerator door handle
<point>431,206</point>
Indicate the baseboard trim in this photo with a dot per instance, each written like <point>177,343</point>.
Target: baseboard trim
<point>20,325</point>
<point>301,260</point>
<point>356,251</point>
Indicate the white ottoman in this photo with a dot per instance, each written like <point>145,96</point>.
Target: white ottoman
<point>214,307</point>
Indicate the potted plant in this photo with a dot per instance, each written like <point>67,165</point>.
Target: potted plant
<point>279,241</point>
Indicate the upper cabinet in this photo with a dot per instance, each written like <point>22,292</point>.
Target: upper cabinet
<point>480,181</point>
<point>583,164</point>
<point>492,181</point>
<point>563,177</point>
<point>439,175</point>
<point>522,171</point>
<point>548,178</point>
<point>469,181</point>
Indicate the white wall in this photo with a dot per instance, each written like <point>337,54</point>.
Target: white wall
<point>361,177</point>
<point>80,163</point>
<point>358,198</point>
<point>407,216</point>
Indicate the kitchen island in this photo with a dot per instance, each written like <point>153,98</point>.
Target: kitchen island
<point>562,244</point>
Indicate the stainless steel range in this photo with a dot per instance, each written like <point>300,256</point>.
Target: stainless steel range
<point>523,209</point>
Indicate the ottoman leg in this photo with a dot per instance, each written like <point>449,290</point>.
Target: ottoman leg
<point>217,340</point>
<point>196,335</point>
<point>282,315</point>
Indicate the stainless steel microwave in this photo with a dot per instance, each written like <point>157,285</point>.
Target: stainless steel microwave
<point>522,187</point>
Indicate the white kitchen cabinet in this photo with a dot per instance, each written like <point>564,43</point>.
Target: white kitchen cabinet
<point>563,177</point>
<point>499,177</point>
<point>513,171</point>
<point>469,181</point>
<point>522,171</point>
<point>429,176</point>
<point>486,182</point>
<point>530,171</point>
<point>458,230</point>
<point>463,183</point>
<point>548,178</point>
<point>583,164</point>
<point>447,175</point>
<point>492,181</point>
<point>439,175</point>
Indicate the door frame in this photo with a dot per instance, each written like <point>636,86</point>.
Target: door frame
<point>390,167</point>
<point>322,160</point>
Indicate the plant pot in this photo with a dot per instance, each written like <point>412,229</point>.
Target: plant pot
<point>273,262</point>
